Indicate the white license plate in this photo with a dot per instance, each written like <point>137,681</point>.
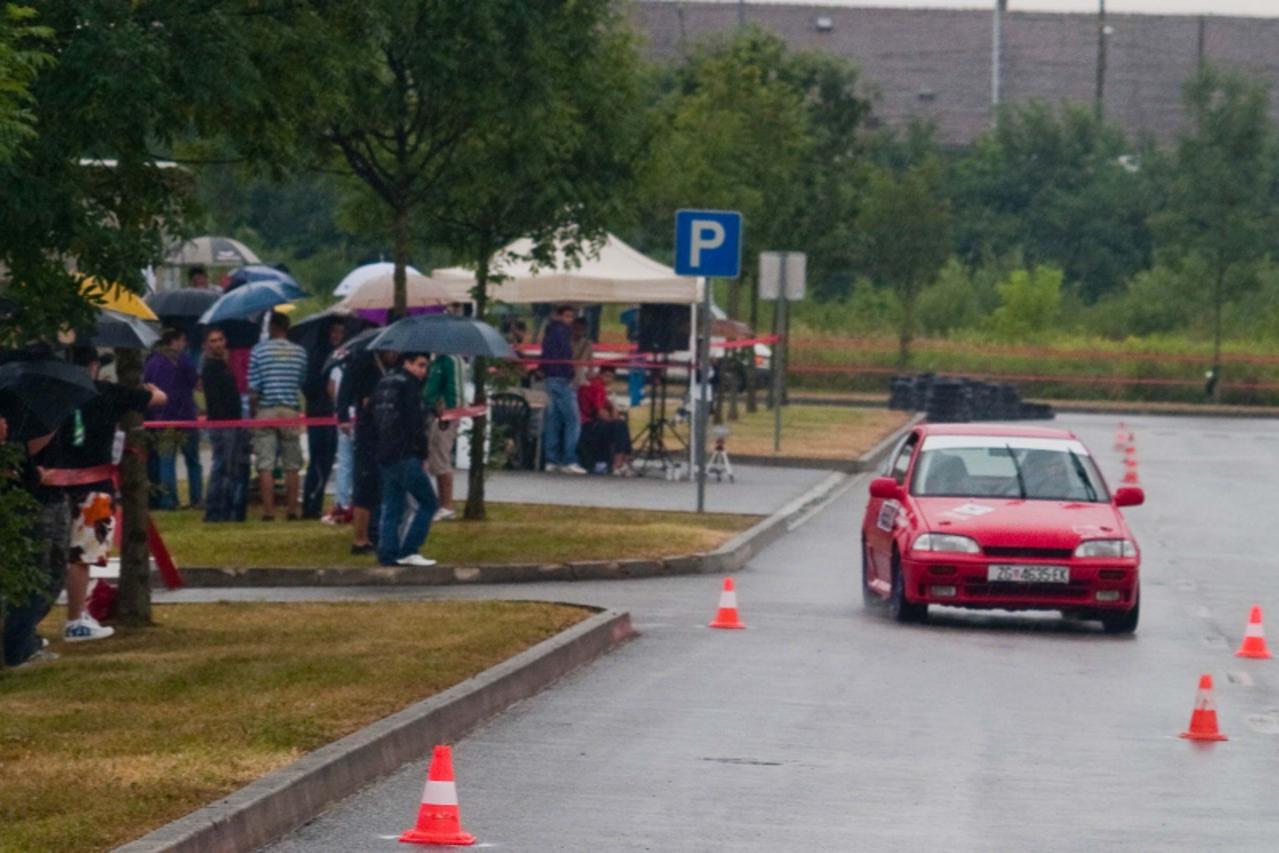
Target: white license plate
<point>1027,574</point>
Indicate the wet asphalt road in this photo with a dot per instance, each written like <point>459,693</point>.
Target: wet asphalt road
<point>825,727</point>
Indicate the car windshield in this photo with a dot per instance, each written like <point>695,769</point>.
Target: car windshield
<point>997,466</point>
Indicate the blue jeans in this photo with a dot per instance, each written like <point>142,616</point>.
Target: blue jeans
<point>50,535</point>
<point>344,479</point>
<point>399,480</point>
<point>562,426</point>
<point>226,484</point>
<point>167,453</point>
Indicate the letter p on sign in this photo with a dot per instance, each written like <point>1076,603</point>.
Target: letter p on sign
<point>708,243</point>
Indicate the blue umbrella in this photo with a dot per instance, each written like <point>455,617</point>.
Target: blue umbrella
<point>249,300</point>
<point>443,333</point>
<point>259,272</point>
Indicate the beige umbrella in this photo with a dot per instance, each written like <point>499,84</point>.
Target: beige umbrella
<point>211,252</point>
<point>378,293</point>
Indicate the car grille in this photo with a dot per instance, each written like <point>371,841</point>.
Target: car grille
<point>1039,553</point>
<point>1027,590</point>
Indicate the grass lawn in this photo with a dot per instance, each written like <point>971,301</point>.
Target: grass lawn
<point>121,736</point>
<point>513,533</point>
<point>822,432</point>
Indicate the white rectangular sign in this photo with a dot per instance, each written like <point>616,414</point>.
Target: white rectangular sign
<point>771,275</point>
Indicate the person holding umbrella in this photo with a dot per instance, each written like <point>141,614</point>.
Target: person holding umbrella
<point>401,421</point>
<point>87,441</point>
<point>170,369</point>
<point>37,394</point>
<point>321,440</point>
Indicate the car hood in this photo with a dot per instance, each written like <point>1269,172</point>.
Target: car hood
<point>1003,522</point>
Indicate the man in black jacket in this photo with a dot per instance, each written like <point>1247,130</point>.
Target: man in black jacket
<point>400,418</point>
<point>322,441</point>
<point>228,480</point>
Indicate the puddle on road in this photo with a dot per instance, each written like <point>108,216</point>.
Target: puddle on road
<point>1243,679</point>
<point>1266,724</point>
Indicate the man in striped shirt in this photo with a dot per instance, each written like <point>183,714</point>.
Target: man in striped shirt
<point>277,369</point>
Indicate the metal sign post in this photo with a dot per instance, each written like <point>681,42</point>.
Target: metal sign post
<point>708,243</point>
<point>782,278</point>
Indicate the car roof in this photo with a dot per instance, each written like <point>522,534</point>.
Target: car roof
<point>995,429</point>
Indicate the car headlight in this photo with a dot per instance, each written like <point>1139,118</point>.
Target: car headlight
<point>1106,548</point>
<point>947,542</point>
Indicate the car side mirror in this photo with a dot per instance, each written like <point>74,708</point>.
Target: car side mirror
<point>1129,496</point>
<point>886,488</point>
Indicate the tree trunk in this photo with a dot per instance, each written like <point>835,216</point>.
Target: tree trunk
<point>134,603</point>
<point>906,333</point>
<point>752,405</point>
<point>475,510</point>
<point>1219,296</point>
<point>400,253</point>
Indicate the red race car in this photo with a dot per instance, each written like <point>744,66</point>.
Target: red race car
<point>991,516</point>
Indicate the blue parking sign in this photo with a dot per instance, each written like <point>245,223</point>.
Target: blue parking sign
<point>708,243</point>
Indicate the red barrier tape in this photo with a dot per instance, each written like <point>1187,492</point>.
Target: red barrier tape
<point>872,346</point>
<point>278,423</point>
<point>1029,377</point>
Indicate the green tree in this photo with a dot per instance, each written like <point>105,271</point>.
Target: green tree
<point>555,166</point>
<point>904,237</point>
<point>1061,186</point>
<point>1220,208</point>
<point>21,59</point>
<point>1029,302</point>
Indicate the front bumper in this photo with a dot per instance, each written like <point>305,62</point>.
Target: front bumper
<point>961,580</point>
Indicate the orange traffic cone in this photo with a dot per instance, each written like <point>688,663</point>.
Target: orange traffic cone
<point>438,821</point>
<point>1121,436</point>
<point>727,616</point>
<point>1130,476</point>
<point>1203,720</point>
<point>1254,637</point>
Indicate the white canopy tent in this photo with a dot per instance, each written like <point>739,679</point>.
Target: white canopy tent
<point>617,274</point>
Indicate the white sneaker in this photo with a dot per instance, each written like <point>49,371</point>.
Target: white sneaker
<point>415,560</point>
<point>551,469</point>
<point>572,469</point>
<point>84,629</point>
<point>444,514</point>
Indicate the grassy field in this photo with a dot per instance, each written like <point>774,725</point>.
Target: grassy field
<point>513,533</point>
<point>121,736</point>
<point>822,432</point>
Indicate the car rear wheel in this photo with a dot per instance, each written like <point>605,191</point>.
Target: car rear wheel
<point>1122,623</point>
<point>901,609</point>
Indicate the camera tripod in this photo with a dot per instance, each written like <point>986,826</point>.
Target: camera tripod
<point>650,445</point>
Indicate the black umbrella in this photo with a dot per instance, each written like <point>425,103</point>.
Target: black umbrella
<point>312,333</point>
<point>357,344</point>
<point>122,331</point>
<point>443,334</point>
<point>37,396</point>
<point>183,303</point>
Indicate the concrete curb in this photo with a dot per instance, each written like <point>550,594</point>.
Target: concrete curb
<point>1083,407</point>
<point>728,557</point>
<point>287,798</point>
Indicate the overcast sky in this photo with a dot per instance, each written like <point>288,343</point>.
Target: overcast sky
<point>1264,8</point>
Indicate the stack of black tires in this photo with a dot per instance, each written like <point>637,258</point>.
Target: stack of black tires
<point>951,399</point>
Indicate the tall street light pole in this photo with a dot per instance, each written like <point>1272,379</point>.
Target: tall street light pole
<point>996,58</point>
<point>1099,104</point>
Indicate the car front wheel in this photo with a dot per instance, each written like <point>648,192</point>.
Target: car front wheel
<point>1124,622</point>
<point>901,609</point>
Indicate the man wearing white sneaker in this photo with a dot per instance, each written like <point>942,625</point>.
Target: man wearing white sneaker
<point>87,445</point>
<point>561,424</point>
<point>400,420</point>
